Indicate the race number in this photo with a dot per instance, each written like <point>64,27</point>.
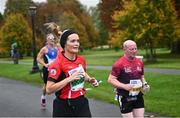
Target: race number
<point>137,85</point>
<point>77,84</point>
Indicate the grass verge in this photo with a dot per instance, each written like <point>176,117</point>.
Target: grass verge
<point>163,98</point>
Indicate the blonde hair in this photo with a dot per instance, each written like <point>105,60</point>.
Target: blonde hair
<point>53,28</point>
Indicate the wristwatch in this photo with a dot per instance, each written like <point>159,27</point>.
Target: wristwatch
<point>145,83</point>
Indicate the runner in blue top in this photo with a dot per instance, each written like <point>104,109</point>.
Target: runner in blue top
<point>45,57</point>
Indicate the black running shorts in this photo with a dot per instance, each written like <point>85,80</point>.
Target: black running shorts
<point>78,107</point>
<point>127,104</point>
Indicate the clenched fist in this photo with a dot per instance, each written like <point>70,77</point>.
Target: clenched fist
<point>94,82</point>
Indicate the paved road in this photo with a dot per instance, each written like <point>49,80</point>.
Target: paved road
<point>18,99</point>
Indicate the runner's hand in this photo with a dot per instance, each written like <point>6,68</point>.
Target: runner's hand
<point>46,65</point>
<point>81,74</point>
<point>94,82</point>
<point>75,76</point>
<point>128,87</point>
<point>145,88</point>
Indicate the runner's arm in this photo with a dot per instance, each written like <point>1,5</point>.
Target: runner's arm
<point>146,86</point>
<point>91,80</point>
<point>40,57</point>
<point>143,80</point>
<point>52,87</point>
<point>113,81</point>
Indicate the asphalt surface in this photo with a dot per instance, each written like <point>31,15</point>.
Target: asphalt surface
<point>19,99</point>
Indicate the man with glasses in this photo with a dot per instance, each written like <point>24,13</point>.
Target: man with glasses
<point>127,76</point>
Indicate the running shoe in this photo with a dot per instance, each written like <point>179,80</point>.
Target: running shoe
<point>43,102</point>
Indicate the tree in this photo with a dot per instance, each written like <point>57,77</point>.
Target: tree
<point>16,29</point>
<point>100,27</point>
<point>1,19</point>
<point>73,22</point>
<point>175,48</point>
<point>177,7</point>
<point>107,8</point>
<point>17,6</point>
<point>46,12</point>
<point>60,10</point>
<point>150,23</point>
<point>80,12</point>
<point>93,36</point>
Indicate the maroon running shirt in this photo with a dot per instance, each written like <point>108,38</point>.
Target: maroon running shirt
<point>126,70</point>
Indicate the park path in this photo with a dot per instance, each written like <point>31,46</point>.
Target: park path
<point>155,70</point>
<point>19,99</point>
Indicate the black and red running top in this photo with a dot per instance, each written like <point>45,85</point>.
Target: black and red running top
<point>60,69</point>
<point>126,70</point>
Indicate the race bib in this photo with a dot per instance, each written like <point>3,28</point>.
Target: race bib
<point>137,87</point>
<point>77,84</point>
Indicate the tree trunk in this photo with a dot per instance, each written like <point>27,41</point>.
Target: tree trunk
<point>150,53</point>
<point>175,48</point>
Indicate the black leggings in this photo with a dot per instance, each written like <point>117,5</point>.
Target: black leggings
<point>78,107</point>
<point>45,74</point>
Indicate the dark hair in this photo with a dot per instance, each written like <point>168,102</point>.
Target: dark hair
<point>65,35</point>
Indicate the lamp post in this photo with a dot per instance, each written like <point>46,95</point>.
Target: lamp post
<point>32,10</point>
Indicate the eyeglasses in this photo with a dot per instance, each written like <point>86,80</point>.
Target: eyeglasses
<point>132,49</point>
<point>50,36</point>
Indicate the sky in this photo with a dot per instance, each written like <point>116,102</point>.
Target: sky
<point>88,3</point>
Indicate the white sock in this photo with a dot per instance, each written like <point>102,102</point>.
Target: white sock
<point>43,97</point>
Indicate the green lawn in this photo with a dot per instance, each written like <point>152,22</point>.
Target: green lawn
<point>163,98</point>
<point>108,57</point>
<point>20,72</point>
